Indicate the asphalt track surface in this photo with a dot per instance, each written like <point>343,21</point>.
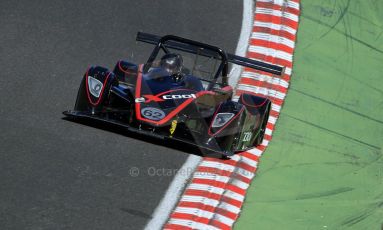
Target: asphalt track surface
<point>56,174</point>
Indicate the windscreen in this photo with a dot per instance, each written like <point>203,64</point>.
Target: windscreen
<point>187,64</point>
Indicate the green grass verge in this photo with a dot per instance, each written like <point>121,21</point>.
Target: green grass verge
<point>324,166</point>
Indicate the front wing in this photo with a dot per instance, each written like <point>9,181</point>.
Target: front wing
<point>105,119</point>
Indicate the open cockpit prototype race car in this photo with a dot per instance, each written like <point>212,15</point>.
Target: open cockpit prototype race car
<point>180,93</point>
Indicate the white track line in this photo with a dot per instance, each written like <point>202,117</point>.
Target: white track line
<point>243,42</point>
<point>169,201</point>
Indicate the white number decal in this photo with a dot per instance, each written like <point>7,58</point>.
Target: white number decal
<point>247,136</point>
<point>152,113</point>
<point>95,86</point>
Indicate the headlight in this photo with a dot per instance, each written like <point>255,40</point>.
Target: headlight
<point>95,86</point>
<point>221,119</point>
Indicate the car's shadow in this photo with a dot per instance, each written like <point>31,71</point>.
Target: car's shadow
<point>173,144</point>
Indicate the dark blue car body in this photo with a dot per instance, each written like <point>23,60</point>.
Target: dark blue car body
<point>146,100</point>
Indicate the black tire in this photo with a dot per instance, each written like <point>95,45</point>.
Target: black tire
<point>225,157</point>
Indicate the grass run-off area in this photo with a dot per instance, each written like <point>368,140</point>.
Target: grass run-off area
<point>323,168</point>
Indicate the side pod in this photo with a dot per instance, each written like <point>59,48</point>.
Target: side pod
<point>255,104</point>
<point>260,108</point>
<point>126,71</point>
<point>226,125</point>
<point>94,89</point>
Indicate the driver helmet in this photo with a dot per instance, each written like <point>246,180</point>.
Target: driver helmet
<point>172,63</point>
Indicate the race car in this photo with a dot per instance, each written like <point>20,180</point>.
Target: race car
<point>180,93</point>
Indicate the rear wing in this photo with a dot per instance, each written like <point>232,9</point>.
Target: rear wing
<point>195,47</point>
